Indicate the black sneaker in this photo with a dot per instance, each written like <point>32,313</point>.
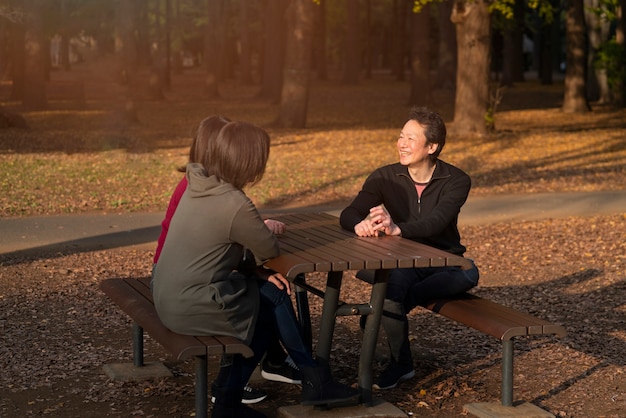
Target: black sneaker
<point>287,372</point>
<point>394,374</point>
<point>250,395</point>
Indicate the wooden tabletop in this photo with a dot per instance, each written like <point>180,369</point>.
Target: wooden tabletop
<point>315,242</point>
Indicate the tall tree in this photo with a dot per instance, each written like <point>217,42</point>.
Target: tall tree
<point>211,49</point>
<point>352,50</point>
<point>575,92</point>
<point>398,38</point>
<point>274,49</point>
<point>367,40</point>
<point>421,93</point>
<point>296,84</point>
<point>35,65</point>
<point>127,51</point>
<point>321,64</point>
<point>598,33</point>
<point>471,103</point>
<point>446,46</point>
<point>17,52</point>
<point>246,50</point>
<point>620,40</point>
<point>512,51</point>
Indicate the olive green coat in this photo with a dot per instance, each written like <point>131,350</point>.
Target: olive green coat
<point>196,290</point>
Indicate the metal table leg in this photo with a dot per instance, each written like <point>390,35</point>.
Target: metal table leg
<point>370,335</point>
<point>304,314</point>
<point>329,310</point>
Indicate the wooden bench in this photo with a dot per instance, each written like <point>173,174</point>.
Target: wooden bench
<point>493,319</point>
<point>134,297</point>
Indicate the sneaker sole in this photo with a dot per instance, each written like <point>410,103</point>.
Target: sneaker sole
<point>279,378</point>
<point>406,376</point>
<point>246,401</point>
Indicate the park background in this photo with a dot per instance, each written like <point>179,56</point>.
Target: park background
<point>108,137</point>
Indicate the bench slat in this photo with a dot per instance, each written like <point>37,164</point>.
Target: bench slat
<point>142,311</point>
<point>486,316</point>
<point>492,318</point>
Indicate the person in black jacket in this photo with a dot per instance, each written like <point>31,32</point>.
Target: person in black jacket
<point>418,198</point>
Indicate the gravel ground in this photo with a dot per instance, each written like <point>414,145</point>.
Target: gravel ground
<point>58,330</point>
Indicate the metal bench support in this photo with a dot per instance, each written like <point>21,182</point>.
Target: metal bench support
<point>201,387</point>
<point>507,373</point>
<point>137,345</point>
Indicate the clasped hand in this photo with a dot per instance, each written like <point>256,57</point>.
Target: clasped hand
<point>378,222</point>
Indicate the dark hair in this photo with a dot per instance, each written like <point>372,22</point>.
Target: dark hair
<point>434,127</point>
<point>205,133</point>
<point>239,154</point>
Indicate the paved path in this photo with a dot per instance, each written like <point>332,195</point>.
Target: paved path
<point>79,233</point>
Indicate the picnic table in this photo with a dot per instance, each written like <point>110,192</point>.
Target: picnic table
<point>315,242</point>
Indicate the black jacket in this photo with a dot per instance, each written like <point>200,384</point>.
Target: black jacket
<point>431,220</point>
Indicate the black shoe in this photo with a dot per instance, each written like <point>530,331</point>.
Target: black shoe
<point>286,372</point>
<point>250,395</point>
<point>228,404</point>
<point>394,374</point>
<point>321,390</point>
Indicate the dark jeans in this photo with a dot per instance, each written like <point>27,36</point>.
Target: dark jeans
<point>276,317</point>
<point>415,286</point>
<point>286,323</point>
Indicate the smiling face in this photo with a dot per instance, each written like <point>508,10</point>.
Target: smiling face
<point>413,149</point>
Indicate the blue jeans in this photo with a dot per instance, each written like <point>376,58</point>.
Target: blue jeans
<point>285,323</point>
<point>276,319</point>
<point>416,286</point>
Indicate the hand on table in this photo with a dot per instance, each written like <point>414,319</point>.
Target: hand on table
<point>378,222</point>
<point>277,227</point>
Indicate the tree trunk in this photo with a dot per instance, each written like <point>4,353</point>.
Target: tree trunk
<point>156,79</point>
<point>545,54</point>
<point>519,65</point>
<point>127,50</point>
<point>352,52</point>
<point>167,50</point>
<point>398,39</point>
<point>447,50</point>
<point>575,98</point>
<point>321,64</point>
<point>176,56</point>
<point>471,103</point>
<point>368,40</point>
<point>295,93</point>
<point>245,58</point>
<point>211,50</point>
<point>274,49</point>
<point>620,39</point>
<point>421,94</point>
<point>18,59</point>
<point>513,50</point>
<point>598,32</point>
<point>35,58</point>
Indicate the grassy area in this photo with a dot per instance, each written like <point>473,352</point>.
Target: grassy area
<point>82,160</point>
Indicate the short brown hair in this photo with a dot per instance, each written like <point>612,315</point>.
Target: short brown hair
<point>207,132</point>
<point>434,127</point>
<point>239,154</point>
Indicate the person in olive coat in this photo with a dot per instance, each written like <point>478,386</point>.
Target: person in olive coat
<point>203,282</point>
